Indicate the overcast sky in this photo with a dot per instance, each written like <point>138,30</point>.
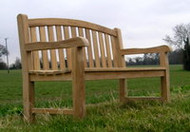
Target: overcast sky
<point>144,23</point>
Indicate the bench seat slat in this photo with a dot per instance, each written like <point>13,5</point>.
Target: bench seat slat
<point>88,70</point>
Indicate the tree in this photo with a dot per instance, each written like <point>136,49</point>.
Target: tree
<point>181,33</point>
<point>3,65</point>
<point>3,50</point>
<point>186,55</point>
<point>16,64</point>
<point>176,56</point>
<point>151,59</point>
<point>180,40</point>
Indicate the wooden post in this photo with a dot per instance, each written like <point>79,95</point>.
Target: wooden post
<point>78,82</point>
<point>28,86</point>
<point>28,100</point>
<point>165,82</point>
<point>122,92</point>
<point>121,63</point>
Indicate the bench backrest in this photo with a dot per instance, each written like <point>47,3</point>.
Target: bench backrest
<point>103,50</point>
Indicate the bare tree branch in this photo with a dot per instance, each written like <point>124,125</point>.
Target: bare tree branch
<point>181,33</point>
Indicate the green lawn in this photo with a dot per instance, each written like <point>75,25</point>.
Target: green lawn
<point>136,116</point>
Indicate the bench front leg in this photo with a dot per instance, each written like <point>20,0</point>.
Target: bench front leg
<point>78,82</point>
<point>165,80</point>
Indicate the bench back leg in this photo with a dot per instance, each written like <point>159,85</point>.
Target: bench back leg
<point>165,80</point>
<point>28,98</point>
<point>122,90</point>
<point>165,85</point>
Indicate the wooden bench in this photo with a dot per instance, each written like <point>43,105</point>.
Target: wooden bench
<point>55,49</point>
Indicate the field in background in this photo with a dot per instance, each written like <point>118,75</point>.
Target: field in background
<point>145,116</point>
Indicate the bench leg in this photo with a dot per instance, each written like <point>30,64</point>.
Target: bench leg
<point>28,100</point>
<point>165,87</point>
<point>78,83</point>
<point>79,98</point>
<point>122,90</point>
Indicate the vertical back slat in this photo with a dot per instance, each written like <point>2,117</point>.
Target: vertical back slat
<point>44,52</point>
<point>81,33</point>
<point>68,51</point>
<point>114,51</point>
<point>60,51</point>
<point>97,59</point>
<point>36,59</point>
<point>102,49</point>
<point>89,48</point>
<point>107,43</point>
<point>74,34</point>
<point>52,52</point>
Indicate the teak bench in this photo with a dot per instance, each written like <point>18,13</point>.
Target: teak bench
<point>55,49</point>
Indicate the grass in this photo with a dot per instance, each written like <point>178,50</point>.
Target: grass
<point>112,116</point>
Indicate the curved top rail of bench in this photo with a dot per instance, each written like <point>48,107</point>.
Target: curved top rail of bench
<point>70,22</point>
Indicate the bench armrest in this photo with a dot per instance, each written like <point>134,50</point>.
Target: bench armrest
<point>158,49</point>
<point>68,43</point>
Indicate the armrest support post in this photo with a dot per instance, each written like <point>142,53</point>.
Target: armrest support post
<point>78,82</point>
<point>165,81</point>
<point>164,59</point>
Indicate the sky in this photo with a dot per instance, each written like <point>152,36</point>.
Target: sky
<point>144,23</point>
